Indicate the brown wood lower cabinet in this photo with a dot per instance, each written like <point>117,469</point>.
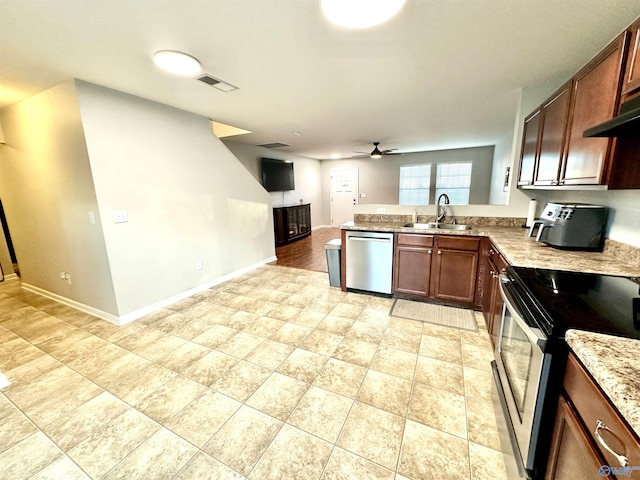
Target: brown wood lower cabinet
<point>488,298</point>
<point>442,267</point>
<point>585,422</point>
<point>412,264</point>
<point>291,223</point>
<point>572,454</point>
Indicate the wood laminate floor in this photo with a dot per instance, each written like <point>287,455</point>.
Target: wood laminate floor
<point>308,253</point>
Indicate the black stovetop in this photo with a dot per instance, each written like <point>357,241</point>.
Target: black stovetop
<point>585,301</point>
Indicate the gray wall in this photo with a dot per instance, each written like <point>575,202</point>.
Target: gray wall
<point>379,178</point>
<point>307,173</point>
<point>47,191</point>
<point>188,198</point>
<point>78,148</point>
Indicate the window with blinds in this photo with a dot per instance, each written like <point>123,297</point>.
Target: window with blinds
<point>454,179</point>
<point>415,181</point>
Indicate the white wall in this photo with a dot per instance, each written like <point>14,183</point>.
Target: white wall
<point>307,177</point>
<point>47,191</point>
<point>187,197</point>
<point>623,222</point>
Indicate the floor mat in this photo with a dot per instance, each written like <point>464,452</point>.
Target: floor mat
<point>432,313</point>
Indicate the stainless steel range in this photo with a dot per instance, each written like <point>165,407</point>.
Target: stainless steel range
<point>530,355</point>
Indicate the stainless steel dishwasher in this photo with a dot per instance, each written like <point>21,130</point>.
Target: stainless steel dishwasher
<point>369,261</point>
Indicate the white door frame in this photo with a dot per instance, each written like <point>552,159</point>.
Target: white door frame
<point>335,171</point>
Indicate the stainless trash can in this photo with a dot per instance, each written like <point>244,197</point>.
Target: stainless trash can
<point>332,247</point>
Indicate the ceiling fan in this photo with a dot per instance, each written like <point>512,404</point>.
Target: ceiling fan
<point>377,153</point>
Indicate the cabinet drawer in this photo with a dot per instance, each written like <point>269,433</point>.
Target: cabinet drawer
<point>415,240</point>
<point>471,244</point>
<point>592,405</point>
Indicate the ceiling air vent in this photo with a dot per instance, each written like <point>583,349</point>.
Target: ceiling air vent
<point>217,83</point>
<point>274,145</point>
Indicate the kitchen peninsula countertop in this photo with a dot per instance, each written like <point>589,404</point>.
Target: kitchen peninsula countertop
<point>521,250</point>
<point>613,363</point>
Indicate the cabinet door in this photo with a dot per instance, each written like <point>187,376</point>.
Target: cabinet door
<point>453,275</point>
<point>632,72</point>
<point>552,137</point>
<point>498,266</point>
<point>529,154</point>
<point>592,407</point>
<point>572,454</point>
<point>411,270</point>
<point>483,282</point>
<point>304,219</point>
<point>594,99</point>
<point>280,225</point>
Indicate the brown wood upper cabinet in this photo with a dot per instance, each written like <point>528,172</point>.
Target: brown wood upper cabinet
<point>632,72</point>
<point>442,267</point>
<point>561,155</point>
<point>530,143</point>
<point>552,137</point>
<point>595,98</point>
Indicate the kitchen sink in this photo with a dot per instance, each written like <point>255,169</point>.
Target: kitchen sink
<point>439,226</point>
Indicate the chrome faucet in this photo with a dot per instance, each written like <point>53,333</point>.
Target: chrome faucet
<point>441,213</point>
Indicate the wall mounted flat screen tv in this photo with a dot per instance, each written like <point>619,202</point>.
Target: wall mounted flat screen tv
<point>277,175</point>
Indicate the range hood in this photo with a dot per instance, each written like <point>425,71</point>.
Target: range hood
<point>624,125</point>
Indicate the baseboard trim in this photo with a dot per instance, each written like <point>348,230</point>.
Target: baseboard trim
<point>141,312</point>
<point>72,303</point>
<point>11,276</point>
<point>130,317</point>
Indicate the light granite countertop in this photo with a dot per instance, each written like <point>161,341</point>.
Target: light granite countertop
<point>613,363</point>
<point>521,250</point>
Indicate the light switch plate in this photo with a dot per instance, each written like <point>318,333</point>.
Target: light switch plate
<point>120,216</point>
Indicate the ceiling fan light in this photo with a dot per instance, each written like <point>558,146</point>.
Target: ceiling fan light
<point>376,153</point>
<point>360,13</point>
<point>177,63</point>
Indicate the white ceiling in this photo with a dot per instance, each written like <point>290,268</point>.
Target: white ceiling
<point>441,74</point>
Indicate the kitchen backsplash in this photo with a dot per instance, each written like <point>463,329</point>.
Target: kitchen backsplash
<point>630,253</point>
<point>475,221</point>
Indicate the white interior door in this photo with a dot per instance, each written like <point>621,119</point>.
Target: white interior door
<point>344,195</point>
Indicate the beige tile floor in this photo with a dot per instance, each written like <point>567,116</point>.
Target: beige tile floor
<point>273,375</point>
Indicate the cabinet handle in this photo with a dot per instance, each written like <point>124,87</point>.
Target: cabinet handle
<point>492,251</point>
<point>439,252</point>
<point>624,461</point>
<point>430,251</point>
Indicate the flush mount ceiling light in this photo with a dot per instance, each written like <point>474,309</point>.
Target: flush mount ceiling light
<point>360,13</point>
<point>177,63</point>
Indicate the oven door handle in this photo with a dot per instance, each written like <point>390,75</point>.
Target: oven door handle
<point>534,334</point>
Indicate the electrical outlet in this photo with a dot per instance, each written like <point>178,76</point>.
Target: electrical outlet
<point>199,265</point>
<point>120,216</point>
<point>92,218</point>
<point>381,210</point>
